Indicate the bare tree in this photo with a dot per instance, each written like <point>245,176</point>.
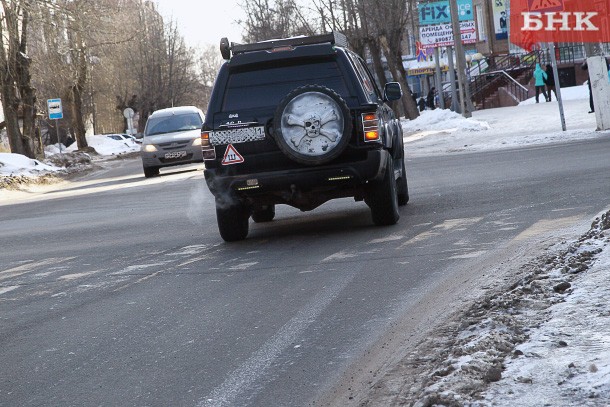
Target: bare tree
<point>163,66</point>
<point>18,94</point>
<point>209,63</point>
<point>280,19</point>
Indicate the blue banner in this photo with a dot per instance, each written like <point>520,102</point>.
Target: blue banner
<point>439,12</point>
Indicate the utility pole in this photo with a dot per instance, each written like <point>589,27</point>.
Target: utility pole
<point>460,58</point>
<point>600,86</point>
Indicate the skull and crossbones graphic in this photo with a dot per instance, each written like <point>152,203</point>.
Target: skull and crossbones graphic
<point>313,126</point>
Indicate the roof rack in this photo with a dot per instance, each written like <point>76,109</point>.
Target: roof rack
<point>334,38</point>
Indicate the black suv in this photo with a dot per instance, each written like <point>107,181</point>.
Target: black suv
<point>300,121</point>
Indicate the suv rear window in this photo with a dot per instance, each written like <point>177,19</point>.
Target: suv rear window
<point>268,86</point>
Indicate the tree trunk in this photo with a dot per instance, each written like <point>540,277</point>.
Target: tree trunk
<point>377,64</point>
<point>395,65</point>
<point>31,132</point>
<point>77,116</point>
<point>15,79</point>
<point>77,93</point>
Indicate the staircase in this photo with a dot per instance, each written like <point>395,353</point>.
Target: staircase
<point>508,74</point>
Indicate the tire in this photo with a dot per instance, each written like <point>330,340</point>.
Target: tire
<point>312,125</point>
<point>151,172</point>
<point>382,198</point>
<point>402,186</point>
<point>232,222</point>
<point>266,214</point>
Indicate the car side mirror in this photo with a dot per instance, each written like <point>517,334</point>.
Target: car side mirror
<point>392,91</point>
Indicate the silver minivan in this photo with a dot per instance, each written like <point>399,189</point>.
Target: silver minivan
<point>171,137</point>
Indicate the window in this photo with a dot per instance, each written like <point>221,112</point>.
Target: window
<point>171,124</point>
<point>268,85</point>
<point>370,86</point>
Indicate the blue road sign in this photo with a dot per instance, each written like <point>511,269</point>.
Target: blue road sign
<point>55,109</point>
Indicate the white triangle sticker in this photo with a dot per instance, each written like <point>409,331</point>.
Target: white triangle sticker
<point>232,156</point>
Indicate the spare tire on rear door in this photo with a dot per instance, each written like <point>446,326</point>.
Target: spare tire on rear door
<point>312,125</point>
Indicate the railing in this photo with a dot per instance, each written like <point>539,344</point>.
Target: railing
<point>509,67</point>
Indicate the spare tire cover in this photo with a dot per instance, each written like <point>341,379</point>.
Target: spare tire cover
<point>312,125</point>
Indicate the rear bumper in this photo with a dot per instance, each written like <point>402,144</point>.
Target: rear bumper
<point>341,180</point>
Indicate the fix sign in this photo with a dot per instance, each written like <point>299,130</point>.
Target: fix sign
<point>231,156</point>
<point>534,21</point>
<point>55,109</point>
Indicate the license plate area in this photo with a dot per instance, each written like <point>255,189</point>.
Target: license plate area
<point>175,155</point>
<point>239,135</point>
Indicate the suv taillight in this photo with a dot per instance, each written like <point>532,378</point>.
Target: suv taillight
<point>206,147</point>
<point>370,127</point>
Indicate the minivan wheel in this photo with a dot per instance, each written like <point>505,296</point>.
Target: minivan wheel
<point>382,198</point>
<point>232,222</point>
<point>265,214</point>
<point>151,171</point>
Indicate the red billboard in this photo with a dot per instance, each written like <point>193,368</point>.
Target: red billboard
<point>535,21</point>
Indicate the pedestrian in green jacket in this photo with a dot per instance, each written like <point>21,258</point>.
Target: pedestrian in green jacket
<point>539,78</point>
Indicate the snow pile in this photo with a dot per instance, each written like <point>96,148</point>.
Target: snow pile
<point>439,132</point>
<point>443,120</point>
<point>106,146</point>
<point>545,341</point>
<point>17,164</point>
<point>17,170</point>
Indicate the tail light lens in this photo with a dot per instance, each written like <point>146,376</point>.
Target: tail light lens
<point>205,139</point>
<point>208,150</point>
<point>370,127</point>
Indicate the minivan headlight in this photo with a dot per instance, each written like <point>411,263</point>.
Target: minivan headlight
<point>149,148</point>
<point>197,141</point>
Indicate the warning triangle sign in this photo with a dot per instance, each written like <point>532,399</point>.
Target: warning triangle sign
<point>231,156</point>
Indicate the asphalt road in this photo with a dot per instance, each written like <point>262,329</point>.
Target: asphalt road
<point>118,290</point>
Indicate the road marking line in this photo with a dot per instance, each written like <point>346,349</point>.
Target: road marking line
<point>75,276</point>
<point>469,255</point>
<point>386,239</point>
<point>7,289</point>
<point>545,226</point>
<point>437,230</point>
<point>242,379</point>
<point>26,268</point>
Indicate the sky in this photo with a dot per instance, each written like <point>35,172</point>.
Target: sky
<point>545,373</point>
<point>204,22</point>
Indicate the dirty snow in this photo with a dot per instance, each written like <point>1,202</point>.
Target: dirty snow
<point>545,342</point>
<point>17,170</point>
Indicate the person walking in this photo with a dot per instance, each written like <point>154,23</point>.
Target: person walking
<point>430,98</point>
<point>585,67</point>
<point>421,104</point>
<point>550,82</point>
<point>539,77</point>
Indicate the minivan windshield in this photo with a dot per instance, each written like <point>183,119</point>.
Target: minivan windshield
<point>173,123</point>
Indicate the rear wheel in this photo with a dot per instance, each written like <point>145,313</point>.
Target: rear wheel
<point>265,214</point>
<point>382,198</point>
<point>151,171</point>
<point>403,188</point>
<point>232,222</point>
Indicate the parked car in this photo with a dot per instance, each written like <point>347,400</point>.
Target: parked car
<point>300,121</point>
<point>171,137</point>
<point>121,137</point>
